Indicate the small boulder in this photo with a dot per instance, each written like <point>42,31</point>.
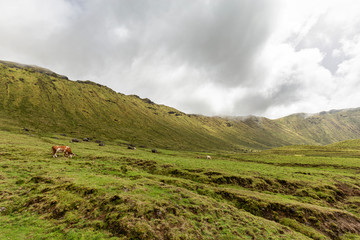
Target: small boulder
<point>101,144</point>
<point>86,139</point>
<point>75,140</point>
<point>154,151</point>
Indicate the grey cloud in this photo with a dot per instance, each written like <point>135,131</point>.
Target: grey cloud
<point>219,38</point>
<point>256,103</point>
<point>218,43</point>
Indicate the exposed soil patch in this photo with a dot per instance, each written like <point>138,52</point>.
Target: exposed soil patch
<point>347,189</point>
<point>332,223</point>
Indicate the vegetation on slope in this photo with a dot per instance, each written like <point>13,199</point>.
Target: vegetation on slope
<point>325,127</point>
<point>111,192</point>
<point>46,102</point>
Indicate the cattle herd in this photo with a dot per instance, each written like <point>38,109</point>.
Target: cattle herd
<point>68,153</point>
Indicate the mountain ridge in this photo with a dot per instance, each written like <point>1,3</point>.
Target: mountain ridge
<point>51,103</point>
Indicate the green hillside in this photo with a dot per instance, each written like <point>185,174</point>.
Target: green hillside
<point>326,127</point>
<point>46,102</point>
<point>292,191</point>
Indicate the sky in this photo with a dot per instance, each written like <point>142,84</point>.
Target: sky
<point>211,57</point>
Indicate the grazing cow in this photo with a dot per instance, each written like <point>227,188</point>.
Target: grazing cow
<point>208,157</point>
<point>62,149</point>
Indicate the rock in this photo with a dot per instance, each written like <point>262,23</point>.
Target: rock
<point>86,139</point>
<point>154,151</point>
<point>101,144</point>
<point>75,140</point>
<point>131,147</point>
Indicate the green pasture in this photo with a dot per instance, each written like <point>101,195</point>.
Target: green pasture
<point>111,192</point>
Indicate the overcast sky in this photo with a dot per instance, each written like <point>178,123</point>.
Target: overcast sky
<point>212,57</point>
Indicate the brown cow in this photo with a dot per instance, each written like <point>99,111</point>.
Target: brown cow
<point>62,149</point>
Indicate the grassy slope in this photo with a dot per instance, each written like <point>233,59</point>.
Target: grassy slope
<point>39,99</point>
<point>325,127</point>
<point>295,192</point>
<point>111,192</point>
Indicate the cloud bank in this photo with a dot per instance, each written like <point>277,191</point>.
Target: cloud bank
<point>268,58</point>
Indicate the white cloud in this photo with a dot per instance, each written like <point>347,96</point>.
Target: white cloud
<point>26,25</point>
<point>348,73</point>
<point>121,33</point>
<point>308,65</point>
<point>269,58</point>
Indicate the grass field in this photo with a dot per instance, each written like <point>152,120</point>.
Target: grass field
<point>111,192</point>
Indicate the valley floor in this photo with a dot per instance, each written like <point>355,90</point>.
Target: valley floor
<point>111,192</point>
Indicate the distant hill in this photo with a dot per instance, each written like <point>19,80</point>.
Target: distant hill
<point>325,127</point>
<point>49,103</point>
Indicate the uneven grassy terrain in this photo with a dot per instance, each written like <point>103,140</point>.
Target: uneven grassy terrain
<point>44,101</point>
<point>111,192</point>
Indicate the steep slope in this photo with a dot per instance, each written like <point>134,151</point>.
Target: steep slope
<point>47,102</point>
<point>51,103</point>
<point>325,127</point>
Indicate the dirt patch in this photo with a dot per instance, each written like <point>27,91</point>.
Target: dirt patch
<point>40,179</point>
<point>332,223</point>
<point>212,173</point>
<point>347,189</point>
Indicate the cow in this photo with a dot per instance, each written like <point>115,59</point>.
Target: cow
<point>62,149</point>
<point>208,157</point>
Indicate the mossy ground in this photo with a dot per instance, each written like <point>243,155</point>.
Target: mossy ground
<point>111,192</point>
